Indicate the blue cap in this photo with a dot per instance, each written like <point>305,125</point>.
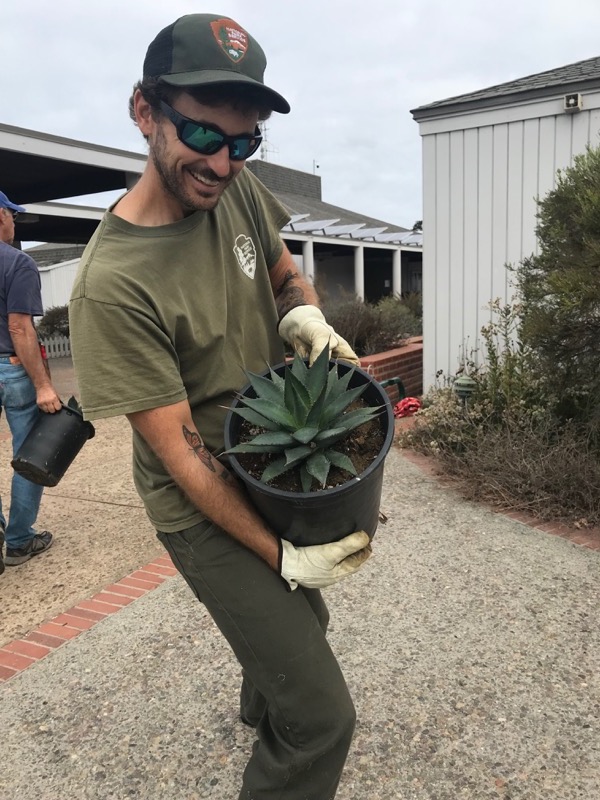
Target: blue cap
<point>5,203</point>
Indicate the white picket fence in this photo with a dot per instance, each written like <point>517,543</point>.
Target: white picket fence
<point>57,346</point>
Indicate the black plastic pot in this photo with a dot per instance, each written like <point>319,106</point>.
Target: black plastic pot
<point>51,446</point>
<point>307,518</point>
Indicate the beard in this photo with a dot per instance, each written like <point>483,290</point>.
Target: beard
<point>173,183</point>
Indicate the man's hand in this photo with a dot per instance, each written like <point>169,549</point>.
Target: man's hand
<point>47,400</point>
<point>27,348</point>
<point>322,564</point>
<point>305,328</point>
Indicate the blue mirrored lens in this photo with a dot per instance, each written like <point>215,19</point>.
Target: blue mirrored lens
<point>201,139</point>
<point>208,142</point>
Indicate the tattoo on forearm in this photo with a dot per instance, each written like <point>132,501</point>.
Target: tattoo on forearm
<point>226,477</point>
<point>199,448</point>
<point>289,295</point>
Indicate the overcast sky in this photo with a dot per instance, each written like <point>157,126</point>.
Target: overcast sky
<point>351,70</point>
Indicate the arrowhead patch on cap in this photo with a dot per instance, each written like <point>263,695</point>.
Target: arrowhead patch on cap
<point>232,38</point>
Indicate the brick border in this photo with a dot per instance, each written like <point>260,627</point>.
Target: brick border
<point>19,654</point>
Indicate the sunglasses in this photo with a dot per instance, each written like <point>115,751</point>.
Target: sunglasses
<point>207,140</point>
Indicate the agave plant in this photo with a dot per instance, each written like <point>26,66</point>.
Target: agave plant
<point>303,416</point>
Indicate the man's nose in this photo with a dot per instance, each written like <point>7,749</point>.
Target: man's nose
<point>219,162</point>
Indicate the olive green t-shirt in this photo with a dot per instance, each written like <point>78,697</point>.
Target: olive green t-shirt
<point>173,312</point>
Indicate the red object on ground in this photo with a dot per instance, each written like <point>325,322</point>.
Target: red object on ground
<point>407,407</point>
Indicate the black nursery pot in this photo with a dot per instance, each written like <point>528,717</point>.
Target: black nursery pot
<point>51,446</point>
<point>307,518</point>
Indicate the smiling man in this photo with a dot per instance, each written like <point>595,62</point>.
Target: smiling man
<point>185,284</point>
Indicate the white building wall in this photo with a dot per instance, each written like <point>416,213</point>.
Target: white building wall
<point>57,283</point>
<point>482,173</point>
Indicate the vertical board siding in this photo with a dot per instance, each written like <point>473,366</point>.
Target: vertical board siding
<point>547,166</point>
<point>481,185</point>
<point>580,133</point>
<point>500,212</point>
<point>442,311</point>
<point>470,231</point>
<point>456,244</point>
<point>514,216</point>
<point>530,176</point>
<point>485,230</point>
<point>562,149</point>
<point>430,354</point>
<point>57,283</point>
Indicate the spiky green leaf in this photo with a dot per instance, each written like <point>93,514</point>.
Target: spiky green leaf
<point>318,466</point>
<point>306,478</point>
<point>336,385</point>
<point>256,419</point>
<point>299,369</point>
<point>265,388</point>
<point>250,447</point>
<point>294,455</point>
<point>296,398</point>
<point>277,379</point>
<point>275,468</point>
<point>357,417</point>
<point>334,409</point>
<point>272,411</point>
<point>328,437</point>
<point>306,434</point>
<point>316,411</point>
<point>316,380</point>
<point>274,438</point>
<point>340,460</point>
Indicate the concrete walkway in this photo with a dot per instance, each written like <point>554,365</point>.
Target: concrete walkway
<point>470,643</point>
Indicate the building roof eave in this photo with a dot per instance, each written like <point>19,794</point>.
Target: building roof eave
<point>508,94</point>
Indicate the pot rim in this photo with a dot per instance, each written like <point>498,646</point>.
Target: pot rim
<point>387,412</point>
<point>70,410</point>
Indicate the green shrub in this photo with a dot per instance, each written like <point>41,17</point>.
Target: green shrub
<point>55,322</point>
<point>371,328</point>
<point>505,444</point>
<point>560,293</point>
<point>414,302</point>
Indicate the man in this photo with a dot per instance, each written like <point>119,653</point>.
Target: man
<point>182,286</point>
<point>25,385</point>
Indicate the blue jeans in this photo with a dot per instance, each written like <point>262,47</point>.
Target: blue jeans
<point>17,398</point>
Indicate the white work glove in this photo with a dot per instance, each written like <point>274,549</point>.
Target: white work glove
<point>322,564</point>
<point>305,328</point>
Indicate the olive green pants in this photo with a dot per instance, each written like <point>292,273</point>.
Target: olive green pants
<point>293,690</point>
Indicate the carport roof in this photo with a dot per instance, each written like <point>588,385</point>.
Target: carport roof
<point>35,166</point>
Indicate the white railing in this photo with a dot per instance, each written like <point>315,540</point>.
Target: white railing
<point>57,346</point>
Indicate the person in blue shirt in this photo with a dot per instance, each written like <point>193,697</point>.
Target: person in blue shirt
<point>25,384</point>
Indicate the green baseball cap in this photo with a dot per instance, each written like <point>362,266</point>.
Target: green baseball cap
<point>206,49</point>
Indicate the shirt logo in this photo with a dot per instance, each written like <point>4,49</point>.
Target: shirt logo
<point>232,39</point>
<point>245,252</point>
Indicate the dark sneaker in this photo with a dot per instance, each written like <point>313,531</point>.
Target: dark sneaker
<point>1,546</point>
<point>18,555</point>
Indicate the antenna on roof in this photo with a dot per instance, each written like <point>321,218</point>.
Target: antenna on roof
<point>266,147</point>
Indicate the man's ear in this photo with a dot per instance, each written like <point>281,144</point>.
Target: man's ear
<point>143,113</point>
